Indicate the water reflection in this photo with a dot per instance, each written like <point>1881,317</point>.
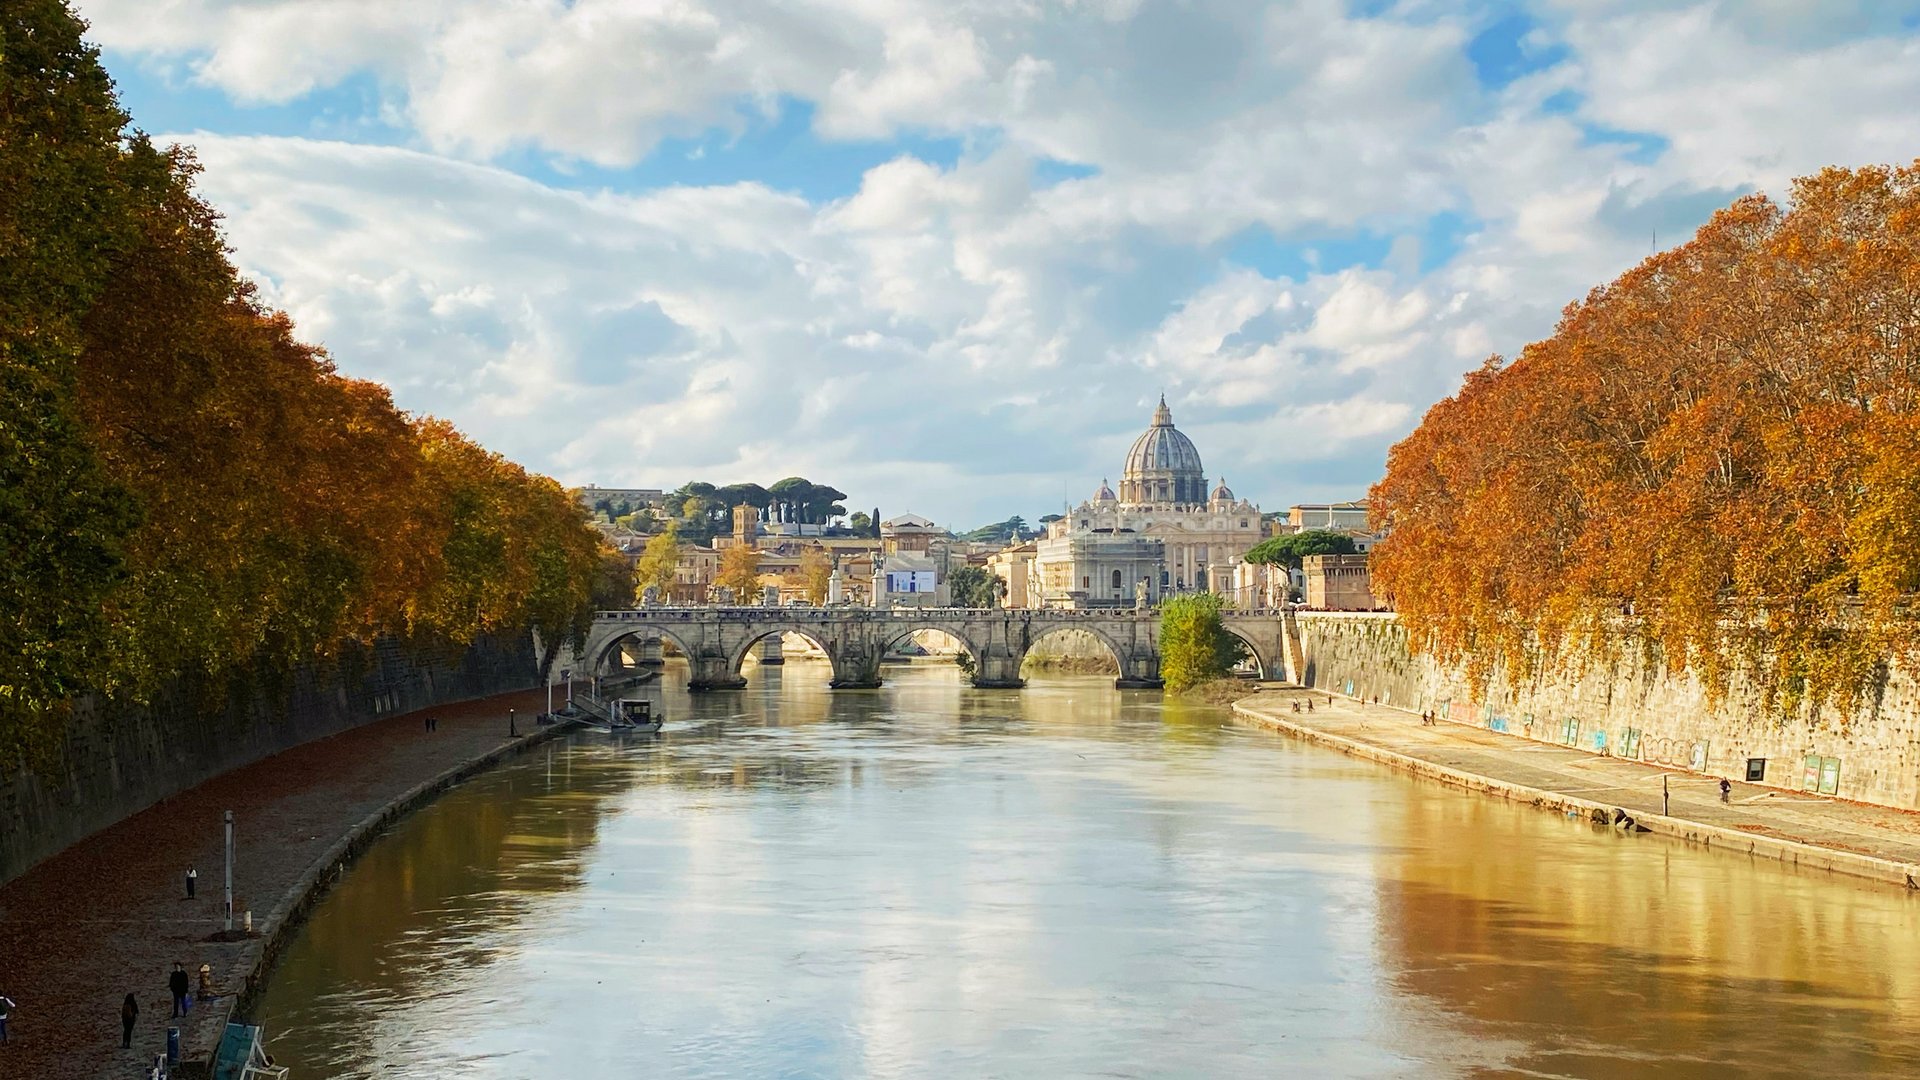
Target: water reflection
<point>1063,881</point>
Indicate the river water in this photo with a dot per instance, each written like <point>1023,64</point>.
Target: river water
<point>1065,881</point>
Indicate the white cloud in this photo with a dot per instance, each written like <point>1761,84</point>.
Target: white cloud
<point>964,338</point>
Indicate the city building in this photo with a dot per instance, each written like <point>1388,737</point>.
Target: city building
<point>908,532</point>
<point>1094,570</point>
<point>1013,565</point>
<point>1196,537</point>
<point>622,500</point>
<point>1350,517</point>
<point>910,579</point>
<point>1339,583</point>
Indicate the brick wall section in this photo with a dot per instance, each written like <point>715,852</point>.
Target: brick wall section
<point>1628,710</point>
<point>120,759</point>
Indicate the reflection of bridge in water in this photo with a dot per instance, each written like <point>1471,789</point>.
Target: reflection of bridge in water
<point>716,640</point>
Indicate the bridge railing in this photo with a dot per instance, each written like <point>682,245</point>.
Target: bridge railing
<point>801,614</point>
<point>748,614</point>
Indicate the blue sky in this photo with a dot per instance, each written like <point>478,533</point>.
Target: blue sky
<point>946,256</point>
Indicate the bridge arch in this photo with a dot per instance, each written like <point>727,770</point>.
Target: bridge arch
<point>597,661</point>
<point>1265,639</point>
<point>1115,648</point>
<point>907,628</point>
<point>755,635</point>
<point>1253,650</point>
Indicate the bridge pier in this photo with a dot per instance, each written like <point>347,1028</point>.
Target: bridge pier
<point>712,673</point>
<point>856,662</point>
<point>650,653</point>
<point>712,666</point>
<point>1139,670</point>
<point>770,650</point>
<point>997,668</point>
<point>999,647</point>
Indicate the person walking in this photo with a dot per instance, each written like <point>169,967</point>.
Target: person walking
<point>6,1009</point>
<point>177,983</point>
<point>129,1012</point>
<point>193,879</point>
<point>1726,790</point>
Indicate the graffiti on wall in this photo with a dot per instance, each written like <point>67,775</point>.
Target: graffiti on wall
<point>1679,753</point>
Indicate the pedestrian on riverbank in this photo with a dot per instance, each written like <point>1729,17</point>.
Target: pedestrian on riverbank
<point>129,1012</point>
<point>177,984</point>
<point>6,1009</point>
<point>1726,790</point>
<point>1309,704</point>
<point>193,879</point>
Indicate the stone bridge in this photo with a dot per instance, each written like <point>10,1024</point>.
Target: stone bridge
<point>716,640</point>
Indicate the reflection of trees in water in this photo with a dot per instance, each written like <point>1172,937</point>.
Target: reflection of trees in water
<point>479,859</point>
<point>1645,967</point>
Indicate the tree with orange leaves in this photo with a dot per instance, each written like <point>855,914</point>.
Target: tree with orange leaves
<point>1714,459</point>
<point>740,572</point>
<point>189,495</point>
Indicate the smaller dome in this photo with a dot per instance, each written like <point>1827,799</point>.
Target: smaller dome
<point>1221,492</point>
<point>1105,494</point>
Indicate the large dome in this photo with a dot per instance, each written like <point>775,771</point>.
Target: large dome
<point>1163,466</point>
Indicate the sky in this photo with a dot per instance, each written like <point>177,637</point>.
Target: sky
<point>944,254</point>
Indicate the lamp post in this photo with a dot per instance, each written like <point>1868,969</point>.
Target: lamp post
<point>229,898</point>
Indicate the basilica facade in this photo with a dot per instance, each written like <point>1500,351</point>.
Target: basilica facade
<point>1163,532</point>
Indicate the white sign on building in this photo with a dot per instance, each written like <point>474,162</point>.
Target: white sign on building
<point>910,581</point>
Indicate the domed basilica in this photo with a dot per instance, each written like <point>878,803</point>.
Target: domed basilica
<point>1164,532</point>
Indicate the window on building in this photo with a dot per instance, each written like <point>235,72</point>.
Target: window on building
<point>1116,579</point>
<point>1086,583</point>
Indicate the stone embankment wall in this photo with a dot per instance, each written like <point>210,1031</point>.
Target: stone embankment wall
<point>1631,710</point>
<point>119,760</point>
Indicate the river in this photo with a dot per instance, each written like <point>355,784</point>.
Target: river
<point>1064,881</point>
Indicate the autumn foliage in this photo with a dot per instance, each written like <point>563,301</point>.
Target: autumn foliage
<point>187,491</point>
<point>1714,459</point>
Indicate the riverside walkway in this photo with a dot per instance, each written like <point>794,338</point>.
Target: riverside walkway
<point>1807,830</point>
<point>109,915</point>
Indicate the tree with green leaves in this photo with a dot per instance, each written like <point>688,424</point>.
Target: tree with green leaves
<point>1290,549</point>
<point>62,223</point>
<point>658,563</point>
<point>739,573</point>
<point>1012,529</point>
<point>816,569</point>
<point>1194,644</point>
<point>973,587</point>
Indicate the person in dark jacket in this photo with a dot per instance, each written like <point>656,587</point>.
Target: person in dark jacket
<point>129,1012</point>
<point>177,982</point>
